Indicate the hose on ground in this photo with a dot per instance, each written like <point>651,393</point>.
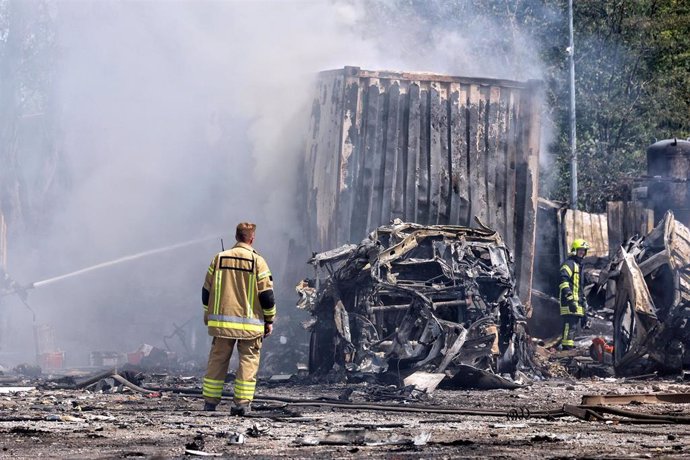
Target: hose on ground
<point>130,385</point>
<point>630,417</point>
<point>408,408</point>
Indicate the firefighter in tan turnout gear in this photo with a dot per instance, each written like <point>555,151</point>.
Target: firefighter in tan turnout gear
<point>571,292</point>
<point>239,309</point>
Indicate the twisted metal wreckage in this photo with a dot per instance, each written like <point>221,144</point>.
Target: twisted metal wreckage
<point>648,287</point>
<point>438,299</point>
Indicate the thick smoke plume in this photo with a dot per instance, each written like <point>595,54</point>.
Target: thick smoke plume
<point>178,119</point>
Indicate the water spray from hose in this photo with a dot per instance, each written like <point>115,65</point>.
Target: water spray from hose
<point>120,260</point>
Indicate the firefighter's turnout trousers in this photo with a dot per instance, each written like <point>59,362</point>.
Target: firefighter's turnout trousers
<point>570,325</point>
<point>218,361</point>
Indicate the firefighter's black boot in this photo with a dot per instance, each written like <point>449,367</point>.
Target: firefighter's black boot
<point>240,409</point>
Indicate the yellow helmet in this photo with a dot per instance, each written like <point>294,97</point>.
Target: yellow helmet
<point>579,244</point>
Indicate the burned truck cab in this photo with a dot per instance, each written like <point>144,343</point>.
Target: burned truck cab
<point>413,297</point>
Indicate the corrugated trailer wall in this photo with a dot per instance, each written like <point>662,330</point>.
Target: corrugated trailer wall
<point>424,148</point>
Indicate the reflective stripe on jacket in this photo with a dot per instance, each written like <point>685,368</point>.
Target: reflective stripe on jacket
<point>234,281</point>
<point>571,287</point>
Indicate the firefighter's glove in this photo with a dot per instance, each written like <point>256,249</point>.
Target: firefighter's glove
<point>572,306</point>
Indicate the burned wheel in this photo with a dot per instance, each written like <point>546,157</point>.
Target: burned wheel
<point>321,350</point>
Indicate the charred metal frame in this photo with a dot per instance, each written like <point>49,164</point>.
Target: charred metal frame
<point>413,297</point>
<point>650,277</point>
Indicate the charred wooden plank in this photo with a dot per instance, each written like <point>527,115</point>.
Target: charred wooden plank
<point>360,212</point>
<point>445,159</point>
<point>326,115</point>
<point>501,108</point>
<point>390,153</point>
<point>398,200</point>
<point>423,164</point>
<point>476,167</point>
<point>494,160</point>
<point>435,155</point>
<point>486,177</point>
<point>614,216</point>
<point>412,153</point>
<point>460,203</point>
<point>528,185</point>
<point>351,152</point>
<point>511,171</point>
<point>377,173</point>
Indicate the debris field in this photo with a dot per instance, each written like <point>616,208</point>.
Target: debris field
<point>122,423</point>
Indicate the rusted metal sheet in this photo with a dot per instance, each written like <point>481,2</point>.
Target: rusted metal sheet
<point>591,227</point>
<point>430,149</point>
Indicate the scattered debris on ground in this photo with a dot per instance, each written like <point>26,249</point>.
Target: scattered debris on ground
<point>306,420</point>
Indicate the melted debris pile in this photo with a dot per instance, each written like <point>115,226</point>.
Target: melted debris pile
<point>648,287</point>
<point>418,299</point>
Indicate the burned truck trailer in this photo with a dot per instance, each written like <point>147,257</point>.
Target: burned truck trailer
<point>438,299</point>
<point>424,148</point>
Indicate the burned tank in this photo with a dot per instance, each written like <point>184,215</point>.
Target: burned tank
<point>668,170</point>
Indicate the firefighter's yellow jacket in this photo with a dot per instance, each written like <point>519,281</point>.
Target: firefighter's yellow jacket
<point>238,294</point>
<point>572,287</point>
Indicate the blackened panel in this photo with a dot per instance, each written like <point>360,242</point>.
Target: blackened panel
<point>365,181</point>
<point>412,173</point>
<point>391,166</point>
<point>423,159</point>
<point>435,159</point>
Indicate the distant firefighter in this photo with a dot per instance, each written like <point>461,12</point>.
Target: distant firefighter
<point>9,286</point>
<point>5,282</point>
<point>572,292</point>
<point>239,309</point>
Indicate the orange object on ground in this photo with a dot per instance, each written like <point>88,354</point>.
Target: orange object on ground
<point>599,349</point>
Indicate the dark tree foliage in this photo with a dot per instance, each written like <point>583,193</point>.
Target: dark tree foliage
<point>632,87</point>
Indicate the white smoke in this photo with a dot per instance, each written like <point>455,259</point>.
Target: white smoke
<point>179,119</point>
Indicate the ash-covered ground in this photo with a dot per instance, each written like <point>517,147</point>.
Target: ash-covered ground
<point>123,423</point>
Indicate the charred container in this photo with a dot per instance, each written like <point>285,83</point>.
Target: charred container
<point>668,168</point>
<point>424,148</point>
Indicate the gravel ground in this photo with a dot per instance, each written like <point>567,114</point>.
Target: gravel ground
<point>82,424</point>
